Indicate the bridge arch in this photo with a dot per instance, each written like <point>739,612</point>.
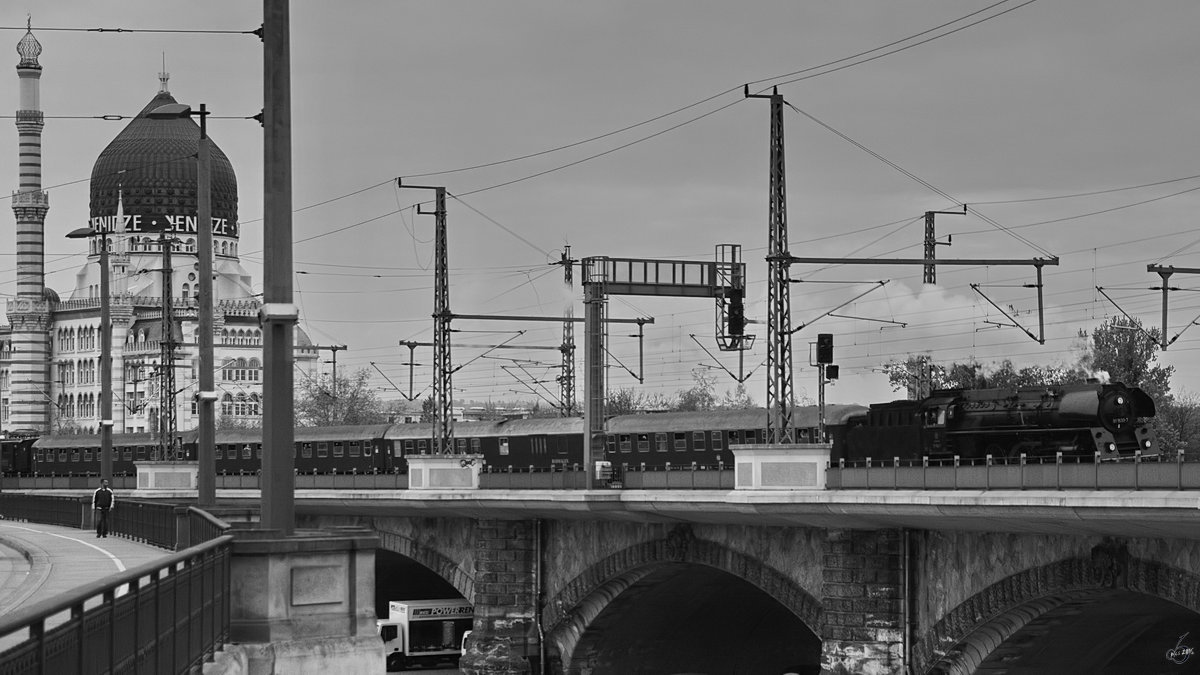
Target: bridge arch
<point>574,613</point>
<point>1012,614</point>
<point>447,568</point>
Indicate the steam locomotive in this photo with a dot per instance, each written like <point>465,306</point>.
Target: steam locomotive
<point>1110,421</point>
<point>1086,420</point>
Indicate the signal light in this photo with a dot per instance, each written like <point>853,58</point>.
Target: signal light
<point>825,348</point>
<point>831,372</point>
<point>736,319</point>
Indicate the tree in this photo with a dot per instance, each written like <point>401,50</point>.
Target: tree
<point>628,401</point>
<point>1127,352</point>
<point>737,399</point>
<point>231,422</point>
<point>918,375</point>
<point>701,395</point>
<point>1177,425</point>
<point>319,403</point>
<point>428,410</point>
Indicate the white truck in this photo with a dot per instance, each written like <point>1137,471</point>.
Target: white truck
<point>424,632</point>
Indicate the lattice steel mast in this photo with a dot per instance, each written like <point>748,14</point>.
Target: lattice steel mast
<point>166,363</point>
<point>566,379</point>
<point>443,388</point>
<point>779,310</point>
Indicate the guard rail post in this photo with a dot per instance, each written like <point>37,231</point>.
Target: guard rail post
<point>183,528</point>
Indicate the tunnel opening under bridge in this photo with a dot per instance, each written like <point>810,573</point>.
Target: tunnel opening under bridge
<point>694,619</point>
<point>398,577</point>
<point>1097,632</point>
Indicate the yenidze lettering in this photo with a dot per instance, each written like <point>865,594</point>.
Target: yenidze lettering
<point>138,222</point>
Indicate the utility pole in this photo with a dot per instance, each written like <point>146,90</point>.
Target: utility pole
<point>779,304</point>
<point>335,349</point>
<point>106,421</point>
<point>206,485</point>
<point>206,478</point>
<point>931,242</point>
<point>166,362</point>
<point>278,314</point>
<point>566,379</point>
<point>443,389</point>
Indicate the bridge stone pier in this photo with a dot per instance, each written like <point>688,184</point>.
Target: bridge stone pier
<point>833,582</point>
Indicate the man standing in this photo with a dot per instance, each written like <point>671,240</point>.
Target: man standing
<point>103,501</point>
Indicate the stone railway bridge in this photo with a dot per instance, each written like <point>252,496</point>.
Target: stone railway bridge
<point>830,582</point>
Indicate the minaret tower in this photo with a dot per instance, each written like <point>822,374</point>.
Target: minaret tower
<point>29,312</point>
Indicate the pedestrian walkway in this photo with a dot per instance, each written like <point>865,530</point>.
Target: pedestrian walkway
<point>42,561</point>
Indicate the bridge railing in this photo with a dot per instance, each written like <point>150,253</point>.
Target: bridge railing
<point>167,616</point>
<point>1170,472</point>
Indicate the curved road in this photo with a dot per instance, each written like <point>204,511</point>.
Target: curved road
<point>41,561</point>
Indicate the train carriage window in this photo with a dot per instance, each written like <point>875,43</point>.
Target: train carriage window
<point>322,450</point>
<point>475,445</point>
<point>610,444</point>
<point>141,452</point>
<point>217,453</point>
<point>461,444</point>
<point>37,456</point>
<point>258,450</point>
<point>408,446</point>
<point>355,449</point>
<point>751,436</point>
<point>643,442</point>
<point>87,455</point>
<point>62,455</point>
<point>680,440</point>
<point>116,454</point>
<point>660,442</point>
<point>338,449</point>
<point>716,439</point>
<point>127,454</point>
<point>698,440</point>
<point>246,452</point>
<point>306,450</point>
<point>421,446</point>
<point>733,438</point>
<point>625,443</point>
<point>74,455</point>
<point>504,446</point>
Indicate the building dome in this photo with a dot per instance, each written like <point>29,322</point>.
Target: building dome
<point>152,164</point>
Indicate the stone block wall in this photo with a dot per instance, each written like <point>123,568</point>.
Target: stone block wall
<point>504,636</point>
<point>863,629</point>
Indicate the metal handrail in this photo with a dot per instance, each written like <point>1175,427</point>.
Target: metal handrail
<point>111,636</point>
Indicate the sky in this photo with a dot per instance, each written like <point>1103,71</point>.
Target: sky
<point>620,129</point>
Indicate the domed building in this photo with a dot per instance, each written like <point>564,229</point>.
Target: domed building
<point>143,198</point>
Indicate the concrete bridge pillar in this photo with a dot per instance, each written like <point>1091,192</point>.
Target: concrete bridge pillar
<point>863,627</point>
<point>504,636</point>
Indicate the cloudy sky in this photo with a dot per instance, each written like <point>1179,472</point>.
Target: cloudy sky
<point>619,128</point>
